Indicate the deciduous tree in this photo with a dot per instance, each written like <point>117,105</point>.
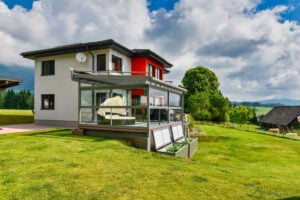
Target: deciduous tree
<point>203,98</point>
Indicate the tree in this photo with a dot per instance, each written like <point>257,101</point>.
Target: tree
<point>241,114</point>
<point>198,105</point>
<point>200,79</point>
<point>1,99</point>
<point>203,98</point>
<point>220,107</point>
<point>10,99</point>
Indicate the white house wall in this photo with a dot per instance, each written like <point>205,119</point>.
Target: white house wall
<point>61,85</point>
<point>126,61</point>
<point>64,89</point>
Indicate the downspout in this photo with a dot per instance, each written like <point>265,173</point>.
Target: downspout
<point>93,92</point>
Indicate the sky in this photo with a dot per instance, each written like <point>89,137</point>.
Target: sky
<point>253,46</point>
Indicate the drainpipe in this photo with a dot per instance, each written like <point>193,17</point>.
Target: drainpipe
<point>93,92</point>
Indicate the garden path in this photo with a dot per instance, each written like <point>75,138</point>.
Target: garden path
<point>26,127</point>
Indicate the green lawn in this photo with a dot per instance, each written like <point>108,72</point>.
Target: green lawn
<point>230,164</point>
<point>262,110</point>
<point>9,117</point>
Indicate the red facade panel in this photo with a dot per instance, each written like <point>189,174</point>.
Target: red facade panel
<point>139,67</point>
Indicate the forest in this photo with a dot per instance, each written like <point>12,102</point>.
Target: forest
<point>11,99</point>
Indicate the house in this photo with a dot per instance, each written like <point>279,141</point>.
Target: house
<point>106,89</point>
<point>282,117</point>
<point>6,82</point>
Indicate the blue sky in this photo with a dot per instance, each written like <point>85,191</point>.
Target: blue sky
<point>253,46</point>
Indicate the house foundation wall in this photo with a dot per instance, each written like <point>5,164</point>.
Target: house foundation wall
<point>139,140</point>
<point>59,123</point>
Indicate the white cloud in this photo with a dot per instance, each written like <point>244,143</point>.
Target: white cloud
<point>56,22</point>
<point>253,54</point>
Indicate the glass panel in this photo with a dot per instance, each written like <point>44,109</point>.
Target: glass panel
<point>101,96</point>
<point>114,107</point>
<point>175,100</point>
<point>48,67</point>
<point>87,116</point>
<point>86,98</point>
<point>159,115</point>
<point>158,97</point>
<point>175,115</point>
<point>139,104</point>
<point>150,70</point>
<point>101,62</point>
<point>48,101</point>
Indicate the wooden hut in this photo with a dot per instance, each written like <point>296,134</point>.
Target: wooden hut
<point>282,117</point>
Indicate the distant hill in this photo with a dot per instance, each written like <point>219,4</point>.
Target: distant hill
<point>286,102</point>
<point>25,73</point>
<point>269,103</point>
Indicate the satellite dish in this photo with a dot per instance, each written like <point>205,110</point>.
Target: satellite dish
<point>81,57</point>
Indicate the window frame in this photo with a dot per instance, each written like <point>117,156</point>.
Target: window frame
<point>120,66</point>
<point>158,73</point>
<point>48,64</point>
<point>99,64</point>
<point>151,70</point>
<point>50,98</point>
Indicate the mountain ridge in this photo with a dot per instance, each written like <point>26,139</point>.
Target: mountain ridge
<point>283,101</point>
<point>269,102</point>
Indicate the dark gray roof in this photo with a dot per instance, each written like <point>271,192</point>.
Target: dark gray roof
<point>6,82</point>
<point>281,115</point>
<point>78,47</point>
<point>89,46</point>
<point>150,54</point>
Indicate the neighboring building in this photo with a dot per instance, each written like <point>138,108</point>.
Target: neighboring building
<point>6,82</point>
<point>109,88</point>
<point>282,117</point>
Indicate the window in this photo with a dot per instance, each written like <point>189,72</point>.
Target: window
<point>175,100</point>
<point>100,98</point>
<point>117,63</point>
<point>158,74</point>
<point>48,68</point>
<point>158,97</point>
<point>101,62</point>
<point>150,70</point>
<point>48,101</point>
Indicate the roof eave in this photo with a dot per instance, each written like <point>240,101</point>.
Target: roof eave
<point>78,47</point>
<point>152,55</point>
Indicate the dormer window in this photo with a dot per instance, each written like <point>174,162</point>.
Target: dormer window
<point>116,64</point>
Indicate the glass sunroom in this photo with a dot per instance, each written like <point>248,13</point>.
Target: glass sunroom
<point>121,105</point>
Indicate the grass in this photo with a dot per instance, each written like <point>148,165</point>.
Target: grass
<point>9,117</point>
<point>262,110</point>
<point>229,164</point>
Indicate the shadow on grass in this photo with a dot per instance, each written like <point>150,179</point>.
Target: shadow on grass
<point>66,134</point>
<point>291,198</point>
